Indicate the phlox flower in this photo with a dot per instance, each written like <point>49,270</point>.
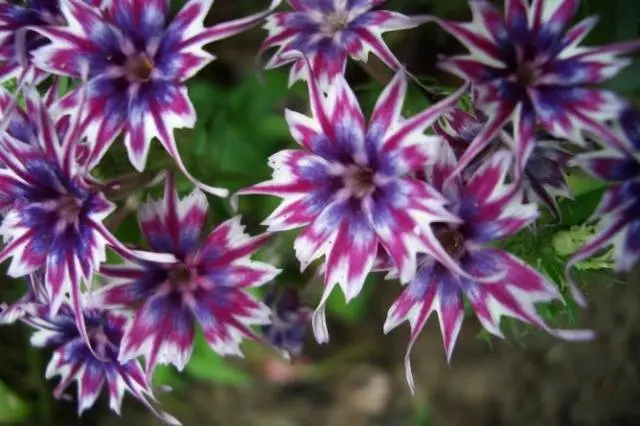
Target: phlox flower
<point>495,283</point>
<point>209,285</point>
<point>139,59</point>
<point>353,186</point>
<point>528,67</point>
<point>618,214</point>
<point>328,32</point>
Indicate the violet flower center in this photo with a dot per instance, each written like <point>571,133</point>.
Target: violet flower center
<point>451,240</point>
<point>335,23</point>
<point>359,180</point>
<point>180,275</point>
<point>526,74</point>
<point>69,208</point>
<point>139,68</point>
<point>99,341</point>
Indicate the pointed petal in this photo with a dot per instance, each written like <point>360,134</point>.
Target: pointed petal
<point>351,254</point>
<point>420,122</point>
<point>386,112</point>
<point>162,330</point>
<point>491,128</point>
<point>189,22</point>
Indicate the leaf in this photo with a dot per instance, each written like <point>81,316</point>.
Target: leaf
<point>577,211</point>
<point>12,409</point>
<point>165,375</point>
<point>207,365</point>
<point>352,312</point>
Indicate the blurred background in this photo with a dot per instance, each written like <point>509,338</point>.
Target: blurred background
<point>358,378</point>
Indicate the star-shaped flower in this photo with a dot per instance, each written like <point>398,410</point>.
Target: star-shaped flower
<point>618,214</point>
<point>543,178</point>
<point>208,285</point>
<point>528,67</point>
<point>139,62</point>
<point>16,43</point>
<point>495,283</point>
<point>353,185</point>
<point>90,366</point>
<point>289,321</point>
<point>328,32</point>
<point>52,212</point>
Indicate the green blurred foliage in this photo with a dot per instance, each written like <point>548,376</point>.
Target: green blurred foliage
<point>12,409</point>
<point>204,365</point>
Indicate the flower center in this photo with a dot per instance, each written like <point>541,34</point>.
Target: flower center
<point>180,275</point>
<point>336,23</point>
<point>139,68</point>
<point>359,180</point>
<point>526,74</point>
<point>99,341</point>
<point>451,240</point>
<point>69,208</point>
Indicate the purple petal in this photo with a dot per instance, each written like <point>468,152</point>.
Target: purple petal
<point>610,165</point>
<point>162,330</point>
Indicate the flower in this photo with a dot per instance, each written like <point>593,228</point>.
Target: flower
<point>36,294</point>
<point>138,66</point>
<point>52,212</point>
<point>208,285</point>
<point>289,321</point>
<point>618,214</point>
<point>15,42</point>
<point>529,68</point>
<point>353,186</point>
<point>90,366</point>
<point>543,177</point>
<point>327,32</point>
<point>495,282</point>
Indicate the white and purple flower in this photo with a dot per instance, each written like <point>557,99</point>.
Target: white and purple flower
<point>53,213</point>
<point>208,285</point>
<point>353,186</point>
<point>16,43</point>
<point>330,31</point>
<point>289,321</point>
<point>528,67</point>
<point>138,64</point>
<point>543,178</point>
<point>495,282</point>
<point>618,214</point>
<point>91,364</point>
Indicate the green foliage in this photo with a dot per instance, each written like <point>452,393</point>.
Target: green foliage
<point>204,365</point>
<point>12,408</point>
<point>354,311</point>
<point>548,246</point>
<point>207,365</point>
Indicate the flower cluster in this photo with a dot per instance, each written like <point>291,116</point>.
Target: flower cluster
<point>423,198</point>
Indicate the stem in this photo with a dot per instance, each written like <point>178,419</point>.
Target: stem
<point>117,217</point>
<point>126,184</point>
<point>382,76</point>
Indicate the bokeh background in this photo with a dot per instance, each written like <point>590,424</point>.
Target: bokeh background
<point>358,378</point>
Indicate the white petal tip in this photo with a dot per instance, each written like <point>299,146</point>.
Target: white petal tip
<point>575,335</point>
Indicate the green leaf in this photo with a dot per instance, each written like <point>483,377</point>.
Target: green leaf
<point>577,211</point>
<point>352,312</point>
<point>166,375</point>
<point>12,408</point>
<point>207,365</point>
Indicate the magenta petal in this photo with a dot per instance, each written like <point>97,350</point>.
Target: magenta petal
<point>352,254</point>
<point>163,331</point>
<point>226,316</point>
<point>388,106</point>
